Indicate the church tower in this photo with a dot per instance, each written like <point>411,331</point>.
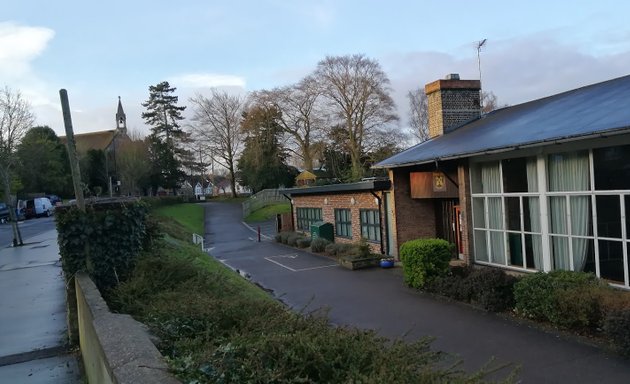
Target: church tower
<point>121,119</point>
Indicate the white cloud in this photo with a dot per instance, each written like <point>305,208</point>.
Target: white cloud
<point>19,45</point>
<point>208,80</point>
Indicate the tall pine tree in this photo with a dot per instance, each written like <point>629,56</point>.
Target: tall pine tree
<point>263,161</point>
<point>167,139</point>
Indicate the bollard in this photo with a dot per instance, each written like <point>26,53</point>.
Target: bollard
<point>259,233</point>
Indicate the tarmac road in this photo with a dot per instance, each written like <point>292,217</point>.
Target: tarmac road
<point>377,299</point>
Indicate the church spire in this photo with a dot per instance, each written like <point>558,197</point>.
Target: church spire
<point>121,118</point>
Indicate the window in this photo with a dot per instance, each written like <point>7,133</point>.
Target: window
<point>370,225</point>
<point>343,223</point>
<point>307,216</point>
<point>568,210</point>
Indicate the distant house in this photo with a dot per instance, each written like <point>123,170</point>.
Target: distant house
<point>539,186</point>
<point>306,178</point>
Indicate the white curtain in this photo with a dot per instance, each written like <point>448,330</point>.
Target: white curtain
<point>491,181</point>
<point>534,211</point>
<point>569,172</point>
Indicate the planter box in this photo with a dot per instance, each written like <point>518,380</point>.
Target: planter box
<point>353,264</point>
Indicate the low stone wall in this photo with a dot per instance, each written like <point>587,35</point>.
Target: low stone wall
<point>115,348</point>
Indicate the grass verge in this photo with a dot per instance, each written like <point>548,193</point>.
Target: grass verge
<point>268,212</point>
<point>190,216</point>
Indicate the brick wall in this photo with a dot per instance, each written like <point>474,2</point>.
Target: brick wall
<point>452,103</point>
<point>328,203</point>
<point>414,218</point>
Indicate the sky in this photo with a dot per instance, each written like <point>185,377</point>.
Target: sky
<point>98,51</point>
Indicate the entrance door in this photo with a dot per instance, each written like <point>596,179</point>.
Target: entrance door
<point>390,243</point>
<point>457,229</point>
<point>447,216</point>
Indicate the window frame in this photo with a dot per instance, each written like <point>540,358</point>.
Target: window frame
<point>305,216</point>
<point>343,225</point>
<point>366,225</point>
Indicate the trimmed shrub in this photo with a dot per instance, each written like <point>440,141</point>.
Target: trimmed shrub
<point>451,286</point>
<point>564,298</point>
<point>424,260</point>
<point>303,242</point>
<point>319,244</point>
<point>617,329</point>
<point>491,288</point>
<point>284,237</point>
<point>278,238</point>
<point>341,249</point>
<point>293,238</point>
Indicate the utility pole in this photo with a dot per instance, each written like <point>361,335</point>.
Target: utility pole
<point>72,150</point>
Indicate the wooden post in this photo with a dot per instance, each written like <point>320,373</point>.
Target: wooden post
<point>72,151</point>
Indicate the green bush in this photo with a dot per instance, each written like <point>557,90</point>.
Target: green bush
<point>424,260</point>
<point>303,242</point>
<point>491,288</point>
<point>341,249</point>
<point>451,286</point>
<point>617,329</point>
<point>293,238</point>
<point>283,237</point>
<point>319,244</point>
<point>564,298</point>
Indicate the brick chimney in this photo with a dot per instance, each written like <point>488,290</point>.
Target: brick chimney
<point>451,103</point>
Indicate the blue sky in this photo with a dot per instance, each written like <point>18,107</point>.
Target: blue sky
<point>101,50</point>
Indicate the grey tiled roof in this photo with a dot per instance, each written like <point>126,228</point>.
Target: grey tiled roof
<point>599,109</point>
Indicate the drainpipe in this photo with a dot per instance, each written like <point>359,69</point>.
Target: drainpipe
<point>290,203</point>
<point>380,220</point>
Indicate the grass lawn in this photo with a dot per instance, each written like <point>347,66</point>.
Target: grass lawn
<point>268,212</point>
<point>188,215</point>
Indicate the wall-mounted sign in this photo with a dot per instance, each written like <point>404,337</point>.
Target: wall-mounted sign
<point>428,185</point>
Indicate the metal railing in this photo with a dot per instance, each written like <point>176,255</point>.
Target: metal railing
<point>262,199</point>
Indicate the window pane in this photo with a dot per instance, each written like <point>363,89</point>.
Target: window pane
<point>611,260</point>
<point>580,253</point>
<point>497,248</point>
<point>608,216</point>
<point>481,253</point>
<point>513,210</point>
<point>478,212</point>
<point>568,171</point>
<point>560,253</point>
<point>495,219</point>
<point>515,244</point>
<point>533,251</point>
<point>558,213</point>
<point>612,167</point>
<point>581,216</point>
<point>531,211</point>
<point>514,175</point>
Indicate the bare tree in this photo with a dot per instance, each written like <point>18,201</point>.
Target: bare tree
<point>358,94</point>
<point>301,119</point>
<point>217,124</point>
<point>490,102</point>
<point>419,114</point>
<point>15,119</point>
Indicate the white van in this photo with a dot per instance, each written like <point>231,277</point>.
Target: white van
<point>39,206</point>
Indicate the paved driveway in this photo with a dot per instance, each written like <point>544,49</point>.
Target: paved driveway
<point>377,299</point>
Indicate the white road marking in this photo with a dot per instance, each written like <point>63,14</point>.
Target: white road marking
<point>255,231</point>
<point>294,256</point>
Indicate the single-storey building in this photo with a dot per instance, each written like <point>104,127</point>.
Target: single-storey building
<point>356,210</point>
<point>538,186</point>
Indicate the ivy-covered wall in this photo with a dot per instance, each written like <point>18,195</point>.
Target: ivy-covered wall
<point>103,241</point>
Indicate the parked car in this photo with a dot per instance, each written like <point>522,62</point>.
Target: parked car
<point>39,206</point>
<point>54,200</point>
<point>4,213</point>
